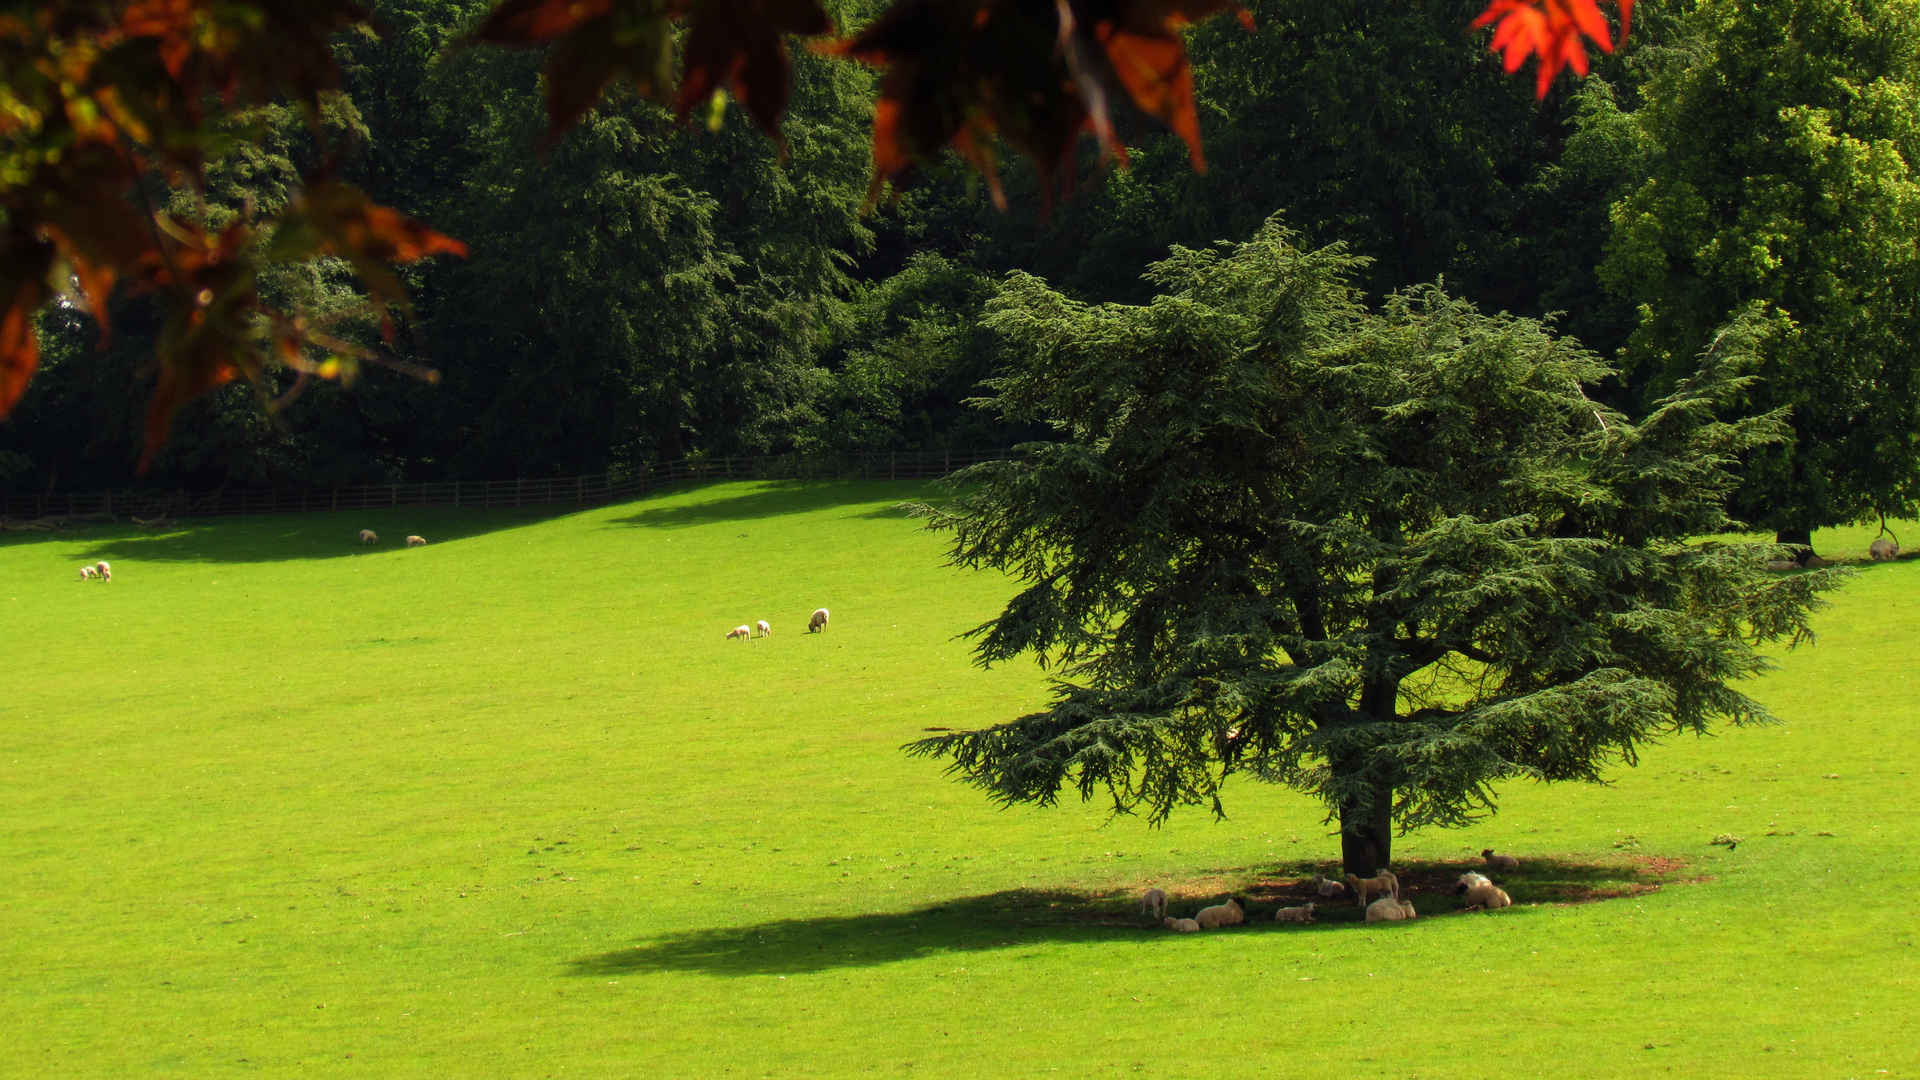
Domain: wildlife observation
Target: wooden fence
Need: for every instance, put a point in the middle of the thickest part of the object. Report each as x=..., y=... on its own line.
x=567, y=491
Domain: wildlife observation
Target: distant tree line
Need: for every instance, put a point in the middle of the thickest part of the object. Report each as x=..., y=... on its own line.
x=641, y=291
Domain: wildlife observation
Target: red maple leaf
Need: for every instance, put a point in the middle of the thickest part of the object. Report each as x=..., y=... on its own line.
x=595, y=43
x=1550, y=30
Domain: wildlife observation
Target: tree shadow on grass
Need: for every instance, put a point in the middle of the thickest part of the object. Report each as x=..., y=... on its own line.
x=283, y=537
x=1020, y=918
x=776, y=499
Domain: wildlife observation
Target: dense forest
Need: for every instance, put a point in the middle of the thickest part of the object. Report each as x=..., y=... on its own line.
x=644, y=290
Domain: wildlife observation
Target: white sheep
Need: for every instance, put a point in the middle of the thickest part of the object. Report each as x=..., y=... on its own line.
x=1500, y=862
x=765, y=630
x=1328, y=886
x=1227, y=914
x=1294, y=914
x=416, y=541
x=1481, y=893
x=741, y=632
x=1154, y=903
x=1382, y=882
x=1884, y=549
x=1390, y=909
x=818, y=622
x=368, y=536
x=88, y=572
x=1181, y=926
x=105, y=571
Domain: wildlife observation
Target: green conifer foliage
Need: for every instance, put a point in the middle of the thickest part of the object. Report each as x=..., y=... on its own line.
x=1390, y=559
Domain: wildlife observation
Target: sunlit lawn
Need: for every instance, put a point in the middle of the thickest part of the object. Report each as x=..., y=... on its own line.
x=509, y=806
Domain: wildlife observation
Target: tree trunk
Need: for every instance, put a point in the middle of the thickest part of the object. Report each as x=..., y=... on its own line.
x=1366, y=836
x=1801, y=538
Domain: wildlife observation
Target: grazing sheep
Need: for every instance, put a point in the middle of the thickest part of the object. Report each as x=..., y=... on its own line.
x=1328, y=886
x=105, y=571
x=1154, y=904
x=818, y=622
x=416, y=541
x=1231, y=913
x=1390, y=909
x=1181, y=926
x=741, y=632
x=1884, y=549
x=368, y=536
x=1383, y=882
x=765, y=630
x=1500, y=862
x=1481, y=893
x=1294, y=914
x=88, y=572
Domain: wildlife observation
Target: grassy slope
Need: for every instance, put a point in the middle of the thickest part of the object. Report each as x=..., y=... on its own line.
x=269, y=802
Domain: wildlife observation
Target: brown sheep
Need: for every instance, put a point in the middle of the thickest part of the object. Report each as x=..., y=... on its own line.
x=1383, y=882
x=1500, y=862
x=1884, y=549
x=1294, y=914
x=817, y=622
x=1481, y=893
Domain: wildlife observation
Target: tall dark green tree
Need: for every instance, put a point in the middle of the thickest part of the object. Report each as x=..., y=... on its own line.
x=1388, y=558
x=1782, y=143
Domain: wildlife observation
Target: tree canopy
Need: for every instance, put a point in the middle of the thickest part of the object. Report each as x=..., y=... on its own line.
x=104, y=101
x=1388, y=557
x=1781, y=141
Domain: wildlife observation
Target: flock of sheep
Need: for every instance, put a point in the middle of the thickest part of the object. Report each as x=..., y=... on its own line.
x=816, y=623
x=1475, y=889
x=99, y=571
x=368, y=536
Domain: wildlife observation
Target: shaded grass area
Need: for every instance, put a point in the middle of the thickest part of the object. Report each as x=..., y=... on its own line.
x=509, y=805
x=1021, y=918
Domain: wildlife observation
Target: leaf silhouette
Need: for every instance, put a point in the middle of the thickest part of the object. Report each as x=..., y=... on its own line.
x=595, y=43
x=741, y=44
x=332, y=217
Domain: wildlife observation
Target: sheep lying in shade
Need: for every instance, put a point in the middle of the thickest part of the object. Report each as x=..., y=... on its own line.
x=1382, y=882
x=1231, y=913
x=416, y=541
x=1500, y=862
x=765, y=630
x=1390, y=909
x=1328, y=886
x=741, y=632
x=1481, y=893
x=817, y=622
x=1884, y=549
x=1181, y=926
x=1154, y=904
x=1294, y=914
x=368, y=536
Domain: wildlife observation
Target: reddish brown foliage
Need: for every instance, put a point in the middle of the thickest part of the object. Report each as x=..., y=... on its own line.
x=1551, y=31
x=105, y=96
x=109, y=97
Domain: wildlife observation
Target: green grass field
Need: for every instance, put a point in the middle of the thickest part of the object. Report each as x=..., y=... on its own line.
x=509, y=806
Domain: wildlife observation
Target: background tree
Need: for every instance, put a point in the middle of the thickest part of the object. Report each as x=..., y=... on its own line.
x=1781, y=143
x=1389, y=559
